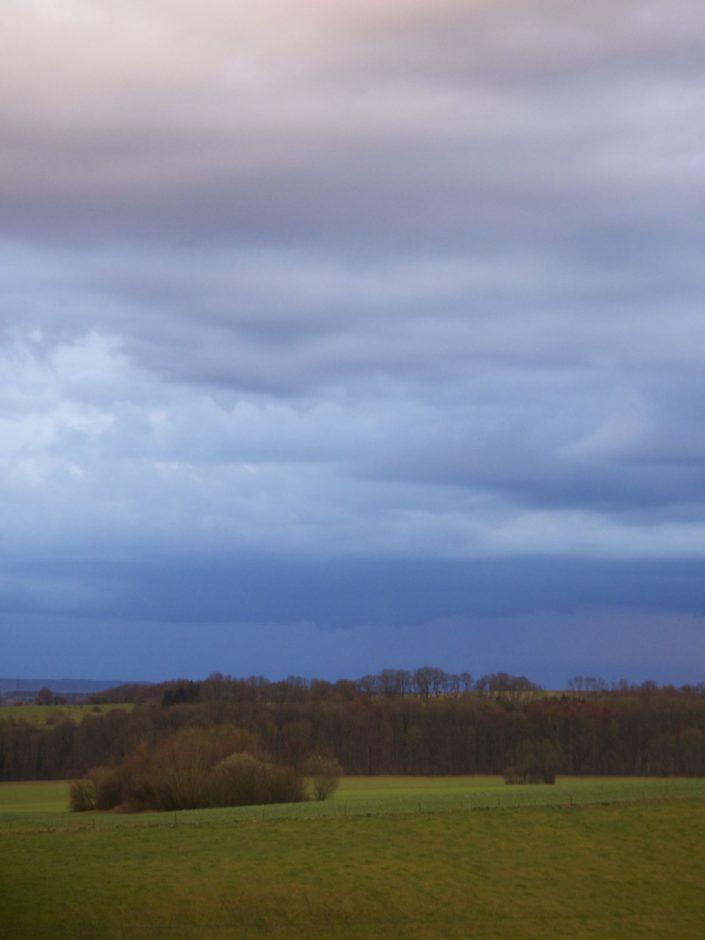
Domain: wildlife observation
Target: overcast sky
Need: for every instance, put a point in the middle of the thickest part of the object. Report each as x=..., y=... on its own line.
x=337, y=337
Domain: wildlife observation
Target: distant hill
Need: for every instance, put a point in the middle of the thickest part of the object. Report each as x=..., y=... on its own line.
x=64, y=686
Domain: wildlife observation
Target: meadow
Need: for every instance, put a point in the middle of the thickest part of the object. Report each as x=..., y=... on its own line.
x=45, y=803
x=392, y=857
x=42, y=715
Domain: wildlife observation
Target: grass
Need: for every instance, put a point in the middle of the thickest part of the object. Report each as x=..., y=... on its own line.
x=43, y=797
x=45, y=804
x=41, y=715
x=627, y=870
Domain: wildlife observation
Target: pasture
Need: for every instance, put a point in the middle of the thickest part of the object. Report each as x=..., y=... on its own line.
x=45, y=803
x=627, y=869
x=42, y=715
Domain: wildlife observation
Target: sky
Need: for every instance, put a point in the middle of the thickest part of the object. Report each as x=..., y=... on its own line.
x=338, y=337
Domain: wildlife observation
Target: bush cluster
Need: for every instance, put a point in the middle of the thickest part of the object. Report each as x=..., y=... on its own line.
x=194, y=768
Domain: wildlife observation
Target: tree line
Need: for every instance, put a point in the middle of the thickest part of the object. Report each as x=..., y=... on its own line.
x=420, y=721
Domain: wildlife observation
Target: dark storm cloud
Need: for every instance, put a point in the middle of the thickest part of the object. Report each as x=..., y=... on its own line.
x=343, y=593
x=547, y=619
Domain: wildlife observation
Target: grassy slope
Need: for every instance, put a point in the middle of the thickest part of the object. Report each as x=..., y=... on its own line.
x=622, y=871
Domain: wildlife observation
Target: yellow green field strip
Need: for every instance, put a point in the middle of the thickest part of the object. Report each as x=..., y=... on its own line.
x=41, y=715
x=45, y=804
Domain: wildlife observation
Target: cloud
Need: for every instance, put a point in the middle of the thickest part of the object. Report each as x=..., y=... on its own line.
x=362, y=127
x=96, y=445
x=326, y=282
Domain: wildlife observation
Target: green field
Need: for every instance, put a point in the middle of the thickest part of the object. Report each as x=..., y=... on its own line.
x=41, y=715
x=448, y=857
x=45, y=803
x=625, y=870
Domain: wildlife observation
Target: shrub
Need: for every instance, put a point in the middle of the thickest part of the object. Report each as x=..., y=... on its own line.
x=325, y=773
x=108, y=786
x=82, y=796
x=243, y=780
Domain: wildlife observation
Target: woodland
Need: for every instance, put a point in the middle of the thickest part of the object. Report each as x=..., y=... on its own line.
x=421, y=722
